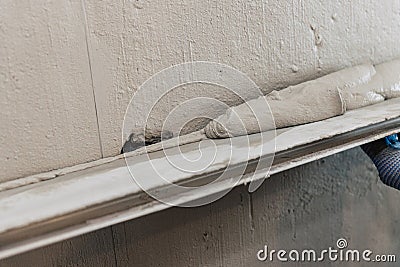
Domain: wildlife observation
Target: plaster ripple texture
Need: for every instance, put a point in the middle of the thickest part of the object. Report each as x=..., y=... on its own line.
x=385, y=84
x=307, y=102
x=46, y=79
x=316, y=100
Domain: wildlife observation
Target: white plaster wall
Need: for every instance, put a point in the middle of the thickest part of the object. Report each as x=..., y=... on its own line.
x=49, y=117
x=47, y=112
x=276, y=43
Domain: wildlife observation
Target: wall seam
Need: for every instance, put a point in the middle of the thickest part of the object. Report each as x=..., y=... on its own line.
x=86, y=27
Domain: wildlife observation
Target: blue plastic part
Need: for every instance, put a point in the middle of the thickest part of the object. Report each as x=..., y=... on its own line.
x=393, y=141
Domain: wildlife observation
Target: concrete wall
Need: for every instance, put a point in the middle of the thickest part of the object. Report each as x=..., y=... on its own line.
x=48, y=116
x=308, y=207
x=69, y=69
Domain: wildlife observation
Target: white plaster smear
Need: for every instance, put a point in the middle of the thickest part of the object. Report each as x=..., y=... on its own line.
x=75, y=191
x=329, y=96
x=385, y=84
x=316, y=100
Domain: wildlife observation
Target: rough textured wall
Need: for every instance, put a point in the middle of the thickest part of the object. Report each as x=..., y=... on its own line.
x=47, y=112
x=50, y=67
x=276, y=43
x=307, y=207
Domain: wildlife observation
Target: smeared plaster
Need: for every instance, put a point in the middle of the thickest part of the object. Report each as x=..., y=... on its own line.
x=385, y=84
x=315, y=100
x=262, y=39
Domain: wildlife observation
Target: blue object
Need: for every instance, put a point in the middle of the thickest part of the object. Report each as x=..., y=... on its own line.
x=386, y=156
x=393, y=141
